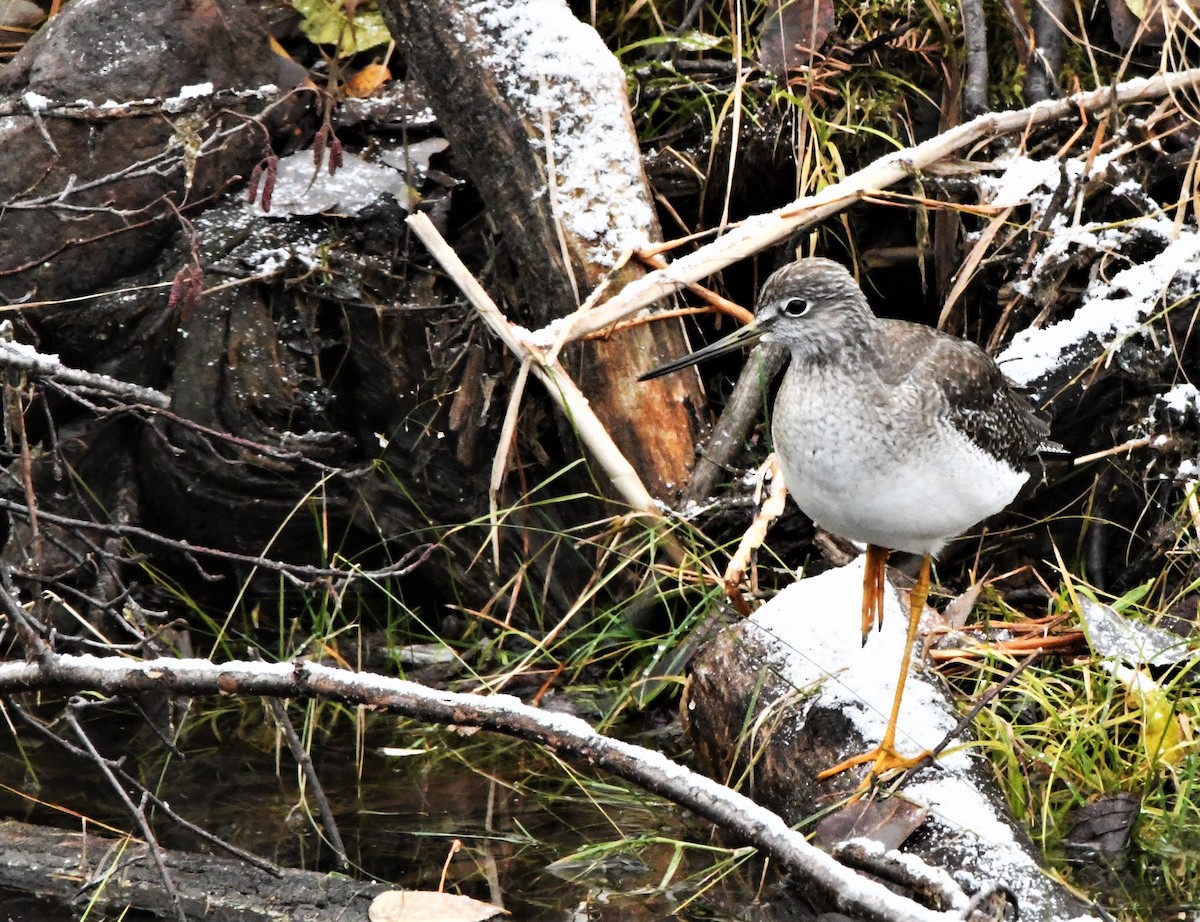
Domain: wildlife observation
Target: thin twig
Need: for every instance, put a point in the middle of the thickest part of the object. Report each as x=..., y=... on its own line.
x=27, y=359
x=966, y=719
x=136, y=811
x=304, y=761
x=159, y=804
x=299, y=574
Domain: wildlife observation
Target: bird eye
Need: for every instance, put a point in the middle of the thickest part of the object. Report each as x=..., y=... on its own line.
x=795, y=307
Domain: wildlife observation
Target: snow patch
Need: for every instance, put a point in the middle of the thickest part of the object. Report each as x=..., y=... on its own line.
x=303, y=188
x=559, y=72
x=1181, y=398
x=1110, y=310
x=36, y=102
x=814, y=626
x=179, y=101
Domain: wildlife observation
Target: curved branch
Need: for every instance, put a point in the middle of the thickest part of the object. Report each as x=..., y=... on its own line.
x=840, y=886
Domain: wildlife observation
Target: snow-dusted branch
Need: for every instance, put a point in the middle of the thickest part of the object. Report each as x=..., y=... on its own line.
x=758, y=232
x=27, y=359
x=851, y=893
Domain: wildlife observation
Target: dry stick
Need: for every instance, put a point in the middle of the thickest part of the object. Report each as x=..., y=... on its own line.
x=743, y=407
x=1131, y=445
x=562, y=389
x=503, y=450
x=842, y=887
x=757, y=233
x=304, y=760
x=718, y=303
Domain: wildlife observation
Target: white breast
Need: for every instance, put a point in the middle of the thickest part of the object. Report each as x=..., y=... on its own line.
x=882, y=474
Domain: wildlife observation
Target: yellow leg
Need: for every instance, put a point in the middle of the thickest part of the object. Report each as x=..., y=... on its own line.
x=884, y=757
x=873, y=581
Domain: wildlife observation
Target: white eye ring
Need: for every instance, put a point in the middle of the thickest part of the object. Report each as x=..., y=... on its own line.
x=795, y=307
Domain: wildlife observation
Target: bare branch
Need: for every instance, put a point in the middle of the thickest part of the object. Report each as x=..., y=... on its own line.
x=27, y=359
x=297, y=573
x=840, y=886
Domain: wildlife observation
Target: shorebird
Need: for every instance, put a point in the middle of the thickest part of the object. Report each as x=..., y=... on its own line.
x=891, y=434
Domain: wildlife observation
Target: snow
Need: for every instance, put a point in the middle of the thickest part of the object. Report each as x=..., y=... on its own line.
x=814, y=624
x=303, y=188
x=179, y=101
x=1110, y=310
x=1022, y=177
x=811, y=635
x=559, y=74
x=1181, y=398
x=35, y=102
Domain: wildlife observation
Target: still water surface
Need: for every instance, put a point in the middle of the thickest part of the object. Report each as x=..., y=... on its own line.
x=403, y=799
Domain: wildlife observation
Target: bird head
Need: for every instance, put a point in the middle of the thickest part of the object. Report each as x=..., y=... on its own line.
x=800, y=307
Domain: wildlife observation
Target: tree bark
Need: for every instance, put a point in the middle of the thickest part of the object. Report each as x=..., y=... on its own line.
x=536, y=108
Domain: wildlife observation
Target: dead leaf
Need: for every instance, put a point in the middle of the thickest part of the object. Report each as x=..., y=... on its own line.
x=888, y=822
x=961, y=606
x=429, y=906
x=367, y=81
x=1104, y=825
x=792, y=33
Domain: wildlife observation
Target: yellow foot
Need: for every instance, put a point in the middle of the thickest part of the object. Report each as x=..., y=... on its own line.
x=884, y=758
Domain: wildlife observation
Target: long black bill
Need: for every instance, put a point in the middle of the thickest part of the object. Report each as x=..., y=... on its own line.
x=746, y=336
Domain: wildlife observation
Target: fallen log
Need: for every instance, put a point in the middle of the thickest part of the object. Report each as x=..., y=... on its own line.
x=114, y=874
x=784, y=694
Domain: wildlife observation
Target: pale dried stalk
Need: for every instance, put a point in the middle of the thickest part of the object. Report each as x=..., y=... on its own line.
x=561, y=387
x=761, y=231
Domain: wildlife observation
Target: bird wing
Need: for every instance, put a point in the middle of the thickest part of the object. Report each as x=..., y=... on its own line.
x=969, y=391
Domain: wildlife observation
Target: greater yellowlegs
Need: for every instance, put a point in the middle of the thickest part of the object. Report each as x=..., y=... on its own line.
x=889, y=433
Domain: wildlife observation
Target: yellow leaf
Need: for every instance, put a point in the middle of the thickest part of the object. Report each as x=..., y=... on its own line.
x=367, y=80
x=325, y=22
x=1160, y=728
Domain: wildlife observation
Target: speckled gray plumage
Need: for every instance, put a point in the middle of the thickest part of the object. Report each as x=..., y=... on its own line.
x=952, y=378
x=888, y=432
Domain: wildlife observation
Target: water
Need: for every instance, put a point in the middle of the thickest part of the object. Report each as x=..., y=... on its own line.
x=502, y=819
